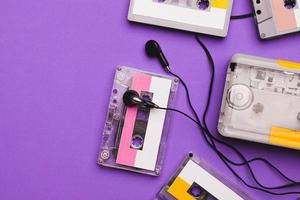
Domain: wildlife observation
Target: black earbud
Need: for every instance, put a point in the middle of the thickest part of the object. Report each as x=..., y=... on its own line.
x=131, y=98
x=153, y=50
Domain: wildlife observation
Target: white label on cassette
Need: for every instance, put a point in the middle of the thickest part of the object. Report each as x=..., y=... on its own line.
x=213, y=19
x=297, y=13
x=146, y=159
x=201, y=16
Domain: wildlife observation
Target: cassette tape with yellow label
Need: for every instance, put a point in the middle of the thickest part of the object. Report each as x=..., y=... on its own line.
x=261, y=101
x=277, y=17
x=201, y=16
x=134, y=138
x=195, y=180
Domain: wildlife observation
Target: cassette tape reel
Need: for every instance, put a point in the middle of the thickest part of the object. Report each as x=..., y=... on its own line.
x=134, y=138
x=261, y=101
x=202, y=16
x=277, y=17
x=196, y=180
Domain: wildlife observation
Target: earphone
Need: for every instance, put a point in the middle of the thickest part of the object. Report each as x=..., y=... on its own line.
x=131, y=98
x=153, y=50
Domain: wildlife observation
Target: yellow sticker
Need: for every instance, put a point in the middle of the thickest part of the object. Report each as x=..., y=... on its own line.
x=288, y=64
x=285, y=137
x=220, y=4
x=179, y=190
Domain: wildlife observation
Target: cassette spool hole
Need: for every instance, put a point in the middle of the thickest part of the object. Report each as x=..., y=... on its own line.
x=199, y=193
x=290, y=4
x=258, y=12
x=137, y=142
x=203, y=4
x=195, y=190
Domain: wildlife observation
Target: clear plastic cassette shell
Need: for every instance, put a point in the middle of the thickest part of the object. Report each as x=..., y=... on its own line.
x=277, y=17
x=261, y=101
x=210, y=17
x=195, y=179
x=143, y=152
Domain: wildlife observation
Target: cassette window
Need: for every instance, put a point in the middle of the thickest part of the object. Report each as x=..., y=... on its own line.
x=134, y=137
x=261, y=101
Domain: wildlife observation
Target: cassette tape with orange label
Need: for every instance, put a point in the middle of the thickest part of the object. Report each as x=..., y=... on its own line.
x=196, y=180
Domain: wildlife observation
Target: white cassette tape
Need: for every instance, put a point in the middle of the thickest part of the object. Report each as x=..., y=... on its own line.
x=261, y=101
x=196, y=180
x=201, y=16
x=277, y=17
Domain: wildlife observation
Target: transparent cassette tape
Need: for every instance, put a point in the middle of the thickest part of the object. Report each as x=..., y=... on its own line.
x=134, y=138
x=202, y=16
x=277, y=17
x=261, y=101
x=194, y=179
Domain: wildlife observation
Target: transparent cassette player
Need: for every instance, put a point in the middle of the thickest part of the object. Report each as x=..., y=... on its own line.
x=196, y=180
x=261, y=101
x=134, y=138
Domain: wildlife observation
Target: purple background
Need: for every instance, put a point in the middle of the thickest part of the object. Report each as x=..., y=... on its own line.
x=57, y=60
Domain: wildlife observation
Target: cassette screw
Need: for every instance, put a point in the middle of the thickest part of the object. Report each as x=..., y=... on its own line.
x=105, y=154
x=263, y=35
x=115, y=91
x=116, y=116
x=157, y=171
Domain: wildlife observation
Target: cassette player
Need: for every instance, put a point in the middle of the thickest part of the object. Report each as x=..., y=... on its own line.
x=134, y=138
x=201, y=16
x=195, y=180
x=261, y=101
x=277, y=17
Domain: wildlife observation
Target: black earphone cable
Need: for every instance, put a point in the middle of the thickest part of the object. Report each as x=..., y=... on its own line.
x=223, y=159
x=210, y=138
x=293, y=183
x=243, y=16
